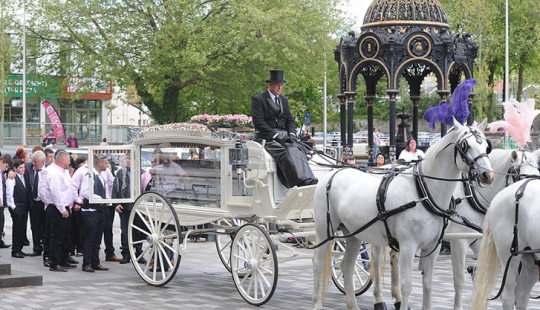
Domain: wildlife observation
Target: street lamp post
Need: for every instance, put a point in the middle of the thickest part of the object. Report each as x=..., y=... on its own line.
x=324, y=106
x=23, y=129
x=506, y=70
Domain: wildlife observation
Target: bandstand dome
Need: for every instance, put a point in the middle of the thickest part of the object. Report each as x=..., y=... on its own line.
x=390, y=12
x=400, y=38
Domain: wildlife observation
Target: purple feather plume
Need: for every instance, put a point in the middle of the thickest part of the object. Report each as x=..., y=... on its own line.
x=458, y=107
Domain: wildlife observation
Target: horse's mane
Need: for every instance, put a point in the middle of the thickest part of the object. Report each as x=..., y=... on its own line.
x=500, y=159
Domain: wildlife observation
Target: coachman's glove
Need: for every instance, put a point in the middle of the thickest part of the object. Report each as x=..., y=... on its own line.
x=293, y=137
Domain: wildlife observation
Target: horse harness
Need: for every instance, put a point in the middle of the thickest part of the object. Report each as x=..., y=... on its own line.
x=513, y=174
x=514, y=248
x=427, y=201
x=460, y=148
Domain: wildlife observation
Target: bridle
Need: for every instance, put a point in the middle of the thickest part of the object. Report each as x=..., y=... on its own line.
x=514, y=174
x=462, y=147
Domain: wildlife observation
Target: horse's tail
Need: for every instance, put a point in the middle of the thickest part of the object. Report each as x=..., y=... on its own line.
x=488, y=267
x=327, y=271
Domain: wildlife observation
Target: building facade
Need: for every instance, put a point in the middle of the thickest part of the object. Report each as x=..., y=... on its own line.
x=86, y=108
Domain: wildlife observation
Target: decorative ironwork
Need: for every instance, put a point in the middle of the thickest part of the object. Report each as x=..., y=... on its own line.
x=384, y=11
x=409, y=38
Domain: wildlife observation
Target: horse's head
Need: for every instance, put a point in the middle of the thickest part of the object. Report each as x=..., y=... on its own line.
x=472, y=147
x=522, y=164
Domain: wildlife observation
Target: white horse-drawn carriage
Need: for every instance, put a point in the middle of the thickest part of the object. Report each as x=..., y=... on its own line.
x=231, y=192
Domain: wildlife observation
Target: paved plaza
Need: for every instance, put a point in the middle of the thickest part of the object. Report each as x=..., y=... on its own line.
x=201, y=283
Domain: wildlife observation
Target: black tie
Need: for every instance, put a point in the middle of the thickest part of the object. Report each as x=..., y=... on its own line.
x=36, y=183
x=277, y=102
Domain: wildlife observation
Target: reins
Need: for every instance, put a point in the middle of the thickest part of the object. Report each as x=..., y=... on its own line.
x=426, y=197
x=515, y=243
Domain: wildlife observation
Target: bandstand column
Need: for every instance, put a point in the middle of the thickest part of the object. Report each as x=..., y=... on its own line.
x=392, y=93
x=369, y=100
x=342, y=117
x=415, y=99
x=348, y=147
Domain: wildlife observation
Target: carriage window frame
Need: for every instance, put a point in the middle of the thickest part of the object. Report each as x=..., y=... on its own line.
x=135, y=179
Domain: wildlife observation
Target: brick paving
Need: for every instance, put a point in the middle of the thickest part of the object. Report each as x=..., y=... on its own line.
x=201, y=283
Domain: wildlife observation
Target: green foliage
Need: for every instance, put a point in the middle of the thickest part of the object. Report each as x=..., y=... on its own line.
x=6, y=47
x=485, y=19
x=187, y=57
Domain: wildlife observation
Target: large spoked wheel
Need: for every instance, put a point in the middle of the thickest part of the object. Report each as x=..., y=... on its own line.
x=254, y=264
x=361, y=276
x=224, y=240
x=154, y=239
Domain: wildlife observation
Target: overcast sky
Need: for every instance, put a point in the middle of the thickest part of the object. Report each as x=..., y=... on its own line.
x=357, y=9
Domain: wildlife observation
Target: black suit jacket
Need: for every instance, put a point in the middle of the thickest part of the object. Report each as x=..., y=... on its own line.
x=20, y=193
x=29, y=175
x=268, y=118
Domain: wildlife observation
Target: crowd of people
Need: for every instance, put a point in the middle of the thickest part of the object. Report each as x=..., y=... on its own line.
x=51, y=188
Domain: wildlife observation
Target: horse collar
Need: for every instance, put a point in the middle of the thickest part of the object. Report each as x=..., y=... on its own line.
x=427, y=199
x=472, y=198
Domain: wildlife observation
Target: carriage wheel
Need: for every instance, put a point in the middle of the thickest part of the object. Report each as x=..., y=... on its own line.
x=224, y=241
x=361, y=276
x=254, y=264
x=154, y=237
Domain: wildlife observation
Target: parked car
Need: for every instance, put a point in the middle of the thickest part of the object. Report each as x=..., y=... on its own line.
x=434, y=138
x=424, y=138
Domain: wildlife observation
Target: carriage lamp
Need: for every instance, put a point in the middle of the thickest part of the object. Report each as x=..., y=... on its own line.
x=238, y=158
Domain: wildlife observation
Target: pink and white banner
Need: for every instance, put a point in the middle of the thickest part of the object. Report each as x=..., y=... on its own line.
x=55, y=120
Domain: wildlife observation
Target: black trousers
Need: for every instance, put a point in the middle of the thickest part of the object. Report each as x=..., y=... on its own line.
x=137, y=235
x=76, y=232
x=108, y=231
x=2, y=221
x=37, y=224
x=58, y=229
x=20, y=218
x=93, y=232
x=291, y=161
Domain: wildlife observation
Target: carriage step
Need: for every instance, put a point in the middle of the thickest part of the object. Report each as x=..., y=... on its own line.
x=8, y=278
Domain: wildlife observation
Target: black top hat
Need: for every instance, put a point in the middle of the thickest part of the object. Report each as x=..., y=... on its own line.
x=276, y=76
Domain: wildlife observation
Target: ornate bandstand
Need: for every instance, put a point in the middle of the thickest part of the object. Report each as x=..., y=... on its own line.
x=409, y=38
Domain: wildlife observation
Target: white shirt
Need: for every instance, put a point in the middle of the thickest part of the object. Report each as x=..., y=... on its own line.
x=10, y=186
x=408, y=156
x=85, y=192
x=273, y=97
x=109, y=179
x=57, y=188
x=76, y=182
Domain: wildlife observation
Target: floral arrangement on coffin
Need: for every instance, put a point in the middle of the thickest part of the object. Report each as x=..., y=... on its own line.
x=229, y=120
x=187, y=128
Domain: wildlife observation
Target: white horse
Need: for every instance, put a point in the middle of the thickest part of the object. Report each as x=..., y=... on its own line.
x=347, y=200
x=471, y=204
x=508, y=165
x=510, y=225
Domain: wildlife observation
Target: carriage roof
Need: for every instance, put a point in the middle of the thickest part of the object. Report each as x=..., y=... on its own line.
x=184, y=133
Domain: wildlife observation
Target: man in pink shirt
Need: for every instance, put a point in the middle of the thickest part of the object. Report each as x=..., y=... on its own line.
x=57, y=195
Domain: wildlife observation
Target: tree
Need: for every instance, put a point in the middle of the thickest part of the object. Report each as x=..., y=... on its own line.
x=6, y=54
x=486, y=20
x=185, y=57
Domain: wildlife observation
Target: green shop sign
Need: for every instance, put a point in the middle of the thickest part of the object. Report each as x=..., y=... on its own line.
x=45, y=87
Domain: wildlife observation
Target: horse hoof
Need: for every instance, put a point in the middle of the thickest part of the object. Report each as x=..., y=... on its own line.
x=397, y=305
x=380, y=306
